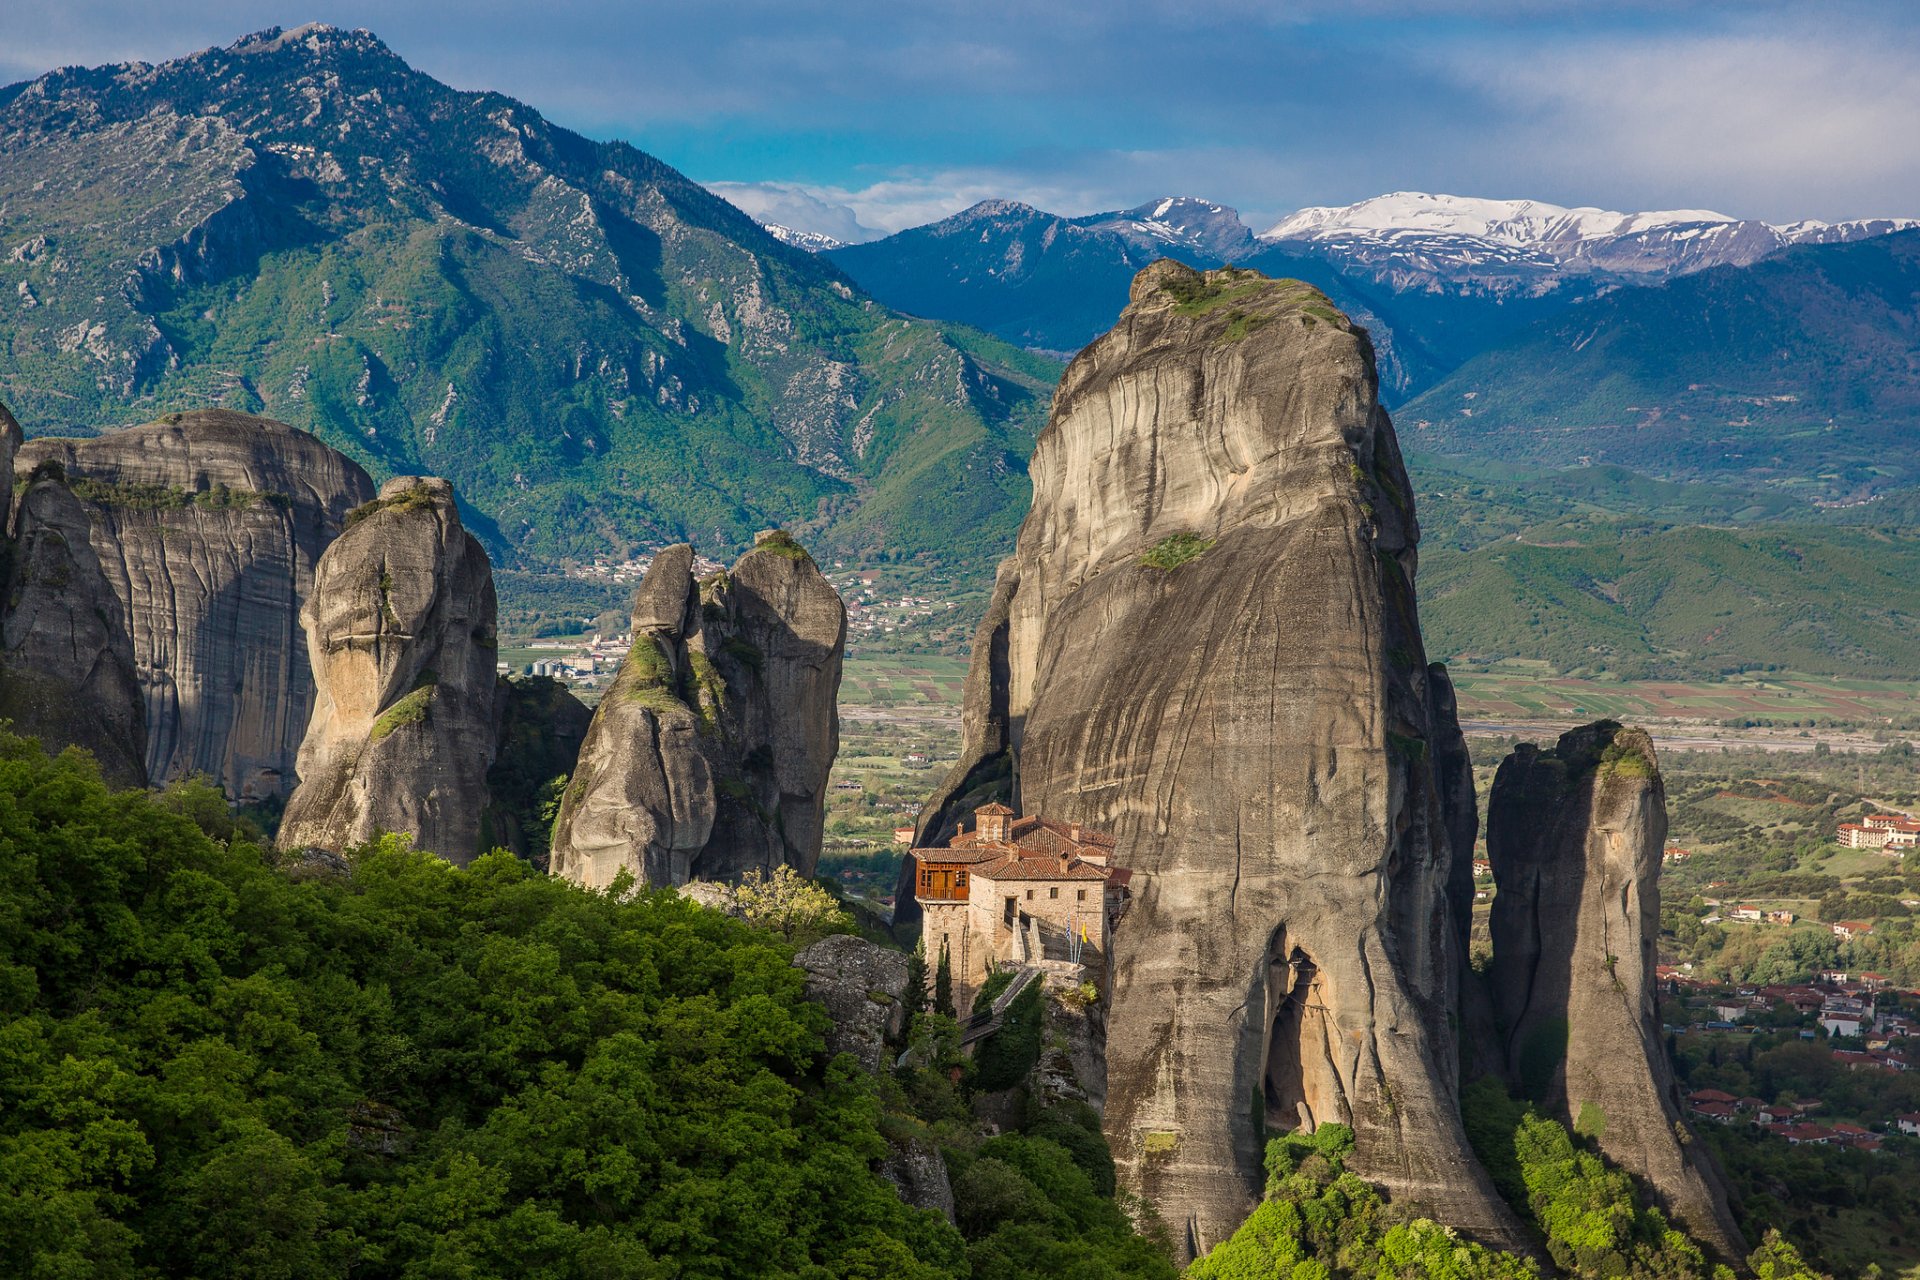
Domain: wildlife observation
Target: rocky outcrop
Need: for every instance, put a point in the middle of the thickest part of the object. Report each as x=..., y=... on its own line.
x=11, y=438
x=207, y=527
x=709, y=756
x=861, y=984
x=1575, y=835
x=66, y=665
x=400, y=633
x=1206, y=643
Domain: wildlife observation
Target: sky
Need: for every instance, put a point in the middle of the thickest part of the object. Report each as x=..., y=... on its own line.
x=861, y=117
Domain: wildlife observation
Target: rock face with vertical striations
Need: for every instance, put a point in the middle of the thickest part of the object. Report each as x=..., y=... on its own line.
x=1575, y=835
x=708, y=758
x=66, y=665
x=400, y=631
x=1206, y=643
x=207, y=527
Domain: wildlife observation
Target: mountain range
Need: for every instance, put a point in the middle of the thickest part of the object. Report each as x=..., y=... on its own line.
x=598, y=352
x=1435, y=278
x=603, y=356
x=1801, y=371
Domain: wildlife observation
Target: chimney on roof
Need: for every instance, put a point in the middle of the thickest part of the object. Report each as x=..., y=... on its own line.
x=1076, y=833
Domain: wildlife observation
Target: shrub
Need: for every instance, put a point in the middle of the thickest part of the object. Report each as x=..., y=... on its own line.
x=1175, y=550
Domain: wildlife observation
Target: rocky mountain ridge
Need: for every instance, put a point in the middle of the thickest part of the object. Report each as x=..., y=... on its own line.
x=1436, y=280
x=1797, y=372
x=1414, y=234
x=596, y=351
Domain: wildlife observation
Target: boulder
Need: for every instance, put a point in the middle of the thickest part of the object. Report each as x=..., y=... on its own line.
x=1206, y=642
x=1575, y=834
x=708, y=758
x=861, y=984
x=400, y=633
x=208, y=526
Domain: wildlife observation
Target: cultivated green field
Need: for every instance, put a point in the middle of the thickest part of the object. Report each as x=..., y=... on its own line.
x=930, y=680
x=1509, y=691
x=1516, y=690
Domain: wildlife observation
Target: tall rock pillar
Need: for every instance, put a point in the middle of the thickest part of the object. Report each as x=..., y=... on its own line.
x=709, y=756
x=1206, y=642
x=400, y=629
x=1575, y=834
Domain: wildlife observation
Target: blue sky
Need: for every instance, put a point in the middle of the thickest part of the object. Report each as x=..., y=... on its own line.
x=856, y=116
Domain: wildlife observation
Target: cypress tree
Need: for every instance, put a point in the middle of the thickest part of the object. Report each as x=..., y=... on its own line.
x=943, y=986
x=916, y=992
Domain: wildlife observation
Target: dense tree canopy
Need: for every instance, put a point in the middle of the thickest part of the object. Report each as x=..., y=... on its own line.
x=211, y=1065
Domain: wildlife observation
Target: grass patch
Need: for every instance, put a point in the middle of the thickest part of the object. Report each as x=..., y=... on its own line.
x=1410, y=748
x=781, y=543
x=1175, y=550
x=1240, y=324
x=415, y=498
x=160, y=497
x=411, y=709
x=645, y=678
x=1159, y=1143
x=1197, y=294
x=1626, y=760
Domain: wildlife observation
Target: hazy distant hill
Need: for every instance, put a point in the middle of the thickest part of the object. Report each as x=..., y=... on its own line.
x=1801, y=371
x=1601, y=569
x=596, y=350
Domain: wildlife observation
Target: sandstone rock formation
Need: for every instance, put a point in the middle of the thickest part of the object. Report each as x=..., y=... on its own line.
x=400, y=632
x=66, y=664
x=207, y=526
x=708, y=758
x=1206, y=642
x=1575, y=836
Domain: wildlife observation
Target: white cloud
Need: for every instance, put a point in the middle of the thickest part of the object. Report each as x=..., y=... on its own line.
x=796, y=207
x=1817, y=122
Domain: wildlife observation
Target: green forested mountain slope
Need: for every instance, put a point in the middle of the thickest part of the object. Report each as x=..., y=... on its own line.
x=596, y=350
x=1601, y=569
x=1801, y=371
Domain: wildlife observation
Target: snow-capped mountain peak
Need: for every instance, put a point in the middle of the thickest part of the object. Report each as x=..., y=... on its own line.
x=1180, y=222
x=811, y=241
x=1410, y=233
x=1519, y=222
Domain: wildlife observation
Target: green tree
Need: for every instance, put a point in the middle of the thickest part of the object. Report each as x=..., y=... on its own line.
x=915, y=995
x=218, y=1066
x=943, y=985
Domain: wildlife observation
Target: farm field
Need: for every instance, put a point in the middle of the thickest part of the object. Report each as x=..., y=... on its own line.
x=1510, y=691
x=1778, y=700
x=928, y=681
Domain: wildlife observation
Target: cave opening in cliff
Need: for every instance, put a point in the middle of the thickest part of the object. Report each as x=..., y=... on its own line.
x=1300, y=1087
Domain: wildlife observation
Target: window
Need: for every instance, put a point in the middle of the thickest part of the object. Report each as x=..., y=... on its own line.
x=1029, y=895
x=1080, y=895
x=1054, y=892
